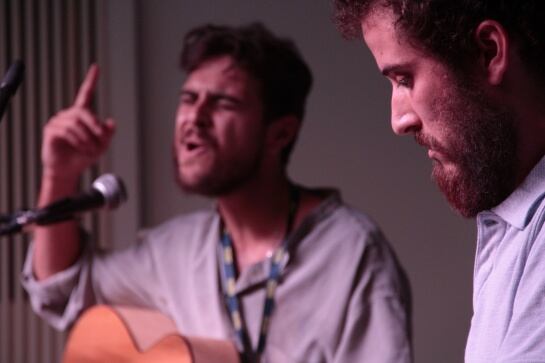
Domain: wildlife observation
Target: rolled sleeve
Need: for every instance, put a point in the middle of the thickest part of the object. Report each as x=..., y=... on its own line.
x=60, y=298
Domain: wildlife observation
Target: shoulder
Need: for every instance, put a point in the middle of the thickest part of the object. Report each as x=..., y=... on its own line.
x=332, y=224
x=352, y=226
x=379, y=273
x=357, y=220
x=340, y=231
x=365, y=235
x=346, y=250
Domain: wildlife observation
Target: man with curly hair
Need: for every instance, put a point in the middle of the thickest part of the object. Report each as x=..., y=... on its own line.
x=468, y=83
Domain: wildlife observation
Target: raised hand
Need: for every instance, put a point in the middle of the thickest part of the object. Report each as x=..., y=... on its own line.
x=75, y=138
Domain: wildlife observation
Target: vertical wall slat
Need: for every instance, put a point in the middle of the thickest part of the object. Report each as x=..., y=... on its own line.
x=4, y=207
x=99, y=221
x=8, y=166
x=32, y=53
x=19, y=183
x=58, y=26
x=57, y=55
x=97, y=41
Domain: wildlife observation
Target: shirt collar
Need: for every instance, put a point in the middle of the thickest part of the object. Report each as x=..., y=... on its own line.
x=519, y=208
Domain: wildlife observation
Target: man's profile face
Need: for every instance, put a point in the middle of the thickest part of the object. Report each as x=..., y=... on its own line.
x=219, y=135
x=469, y=138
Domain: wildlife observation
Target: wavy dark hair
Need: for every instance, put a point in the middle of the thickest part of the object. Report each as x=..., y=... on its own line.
x=445, y=28
x=276, y=63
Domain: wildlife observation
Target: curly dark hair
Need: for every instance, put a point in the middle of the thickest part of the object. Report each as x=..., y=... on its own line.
x=277, y=65
x=445, y=28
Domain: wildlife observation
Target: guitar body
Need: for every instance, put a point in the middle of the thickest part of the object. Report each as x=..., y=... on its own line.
x=132, y=335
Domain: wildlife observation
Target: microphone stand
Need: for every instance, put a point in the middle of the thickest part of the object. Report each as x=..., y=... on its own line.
x=9, y=84
x=108, y=191
x=5, y=218
x=11, y=223
x=16, y=222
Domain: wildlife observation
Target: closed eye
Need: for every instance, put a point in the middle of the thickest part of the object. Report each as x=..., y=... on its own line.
x=403, y=81
x=187, y=97
x=226, y=102
x=399, y=74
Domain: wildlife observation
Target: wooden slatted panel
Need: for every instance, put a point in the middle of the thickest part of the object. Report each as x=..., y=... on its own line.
x=57, y=40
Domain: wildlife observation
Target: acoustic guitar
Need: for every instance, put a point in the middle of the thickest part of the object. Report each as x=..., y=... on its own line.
x=123, y=334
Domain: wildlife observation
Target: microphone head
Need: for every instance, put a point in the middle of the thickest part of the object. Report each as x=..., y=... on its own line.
x=112, y=189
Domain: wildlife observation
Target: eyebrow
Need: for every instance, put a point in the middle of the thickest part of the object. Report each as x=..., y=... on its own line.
x=186, y=91
x=394, y=68
x=215, y=96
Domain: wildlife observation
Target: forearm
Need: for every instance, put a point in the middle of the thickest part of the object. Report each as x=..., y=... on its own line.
x=73, y=140
x=57, y=246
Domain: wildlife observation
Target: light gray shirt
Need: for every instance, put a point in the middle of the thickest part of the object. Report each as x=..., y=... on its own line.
x=508, y=323
x=342, y=296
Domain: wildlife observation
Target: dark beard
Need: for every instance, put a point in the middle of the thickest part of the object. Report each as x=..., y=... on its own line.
x=482, y=144
x=224, y=179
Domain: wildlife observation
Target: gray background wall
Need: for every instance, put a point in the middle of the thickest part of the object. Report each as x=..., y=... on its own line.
x=346, y=142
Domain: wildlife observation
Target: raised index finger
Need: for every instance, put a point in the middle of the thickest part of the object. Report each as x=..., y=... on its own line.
x=87, y=88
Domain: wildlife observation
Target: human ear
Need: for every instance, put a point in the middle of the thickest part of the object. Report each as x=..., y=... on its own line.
x=493, y=43
x=282, y=132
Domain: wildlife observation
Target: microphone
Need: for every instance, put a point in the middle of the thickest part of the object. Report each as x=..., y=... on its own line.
x=108, y=191
x=9, y=84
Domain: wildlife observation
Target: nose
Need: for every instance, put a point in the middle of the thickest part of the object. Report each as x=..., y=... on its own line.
x=404, y=119
x=196, y=114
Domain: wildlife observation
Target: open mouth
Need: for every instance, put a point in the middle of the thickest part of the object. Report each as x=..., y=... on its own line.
x=193, y=143
x=192, y=146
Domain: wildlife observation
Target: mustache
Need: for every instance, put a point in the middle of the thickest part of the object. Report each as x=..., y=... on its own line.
x=429, y=142
x=194, y=133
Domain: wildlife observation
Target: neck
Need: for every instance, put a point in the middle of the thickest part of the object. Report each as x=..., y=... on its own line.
x=256, y=218
x=531, y=146
x=529, y=111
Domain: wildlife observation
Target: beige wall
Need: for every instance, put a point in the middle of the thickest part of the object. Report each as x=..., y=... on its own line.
x=346, y=142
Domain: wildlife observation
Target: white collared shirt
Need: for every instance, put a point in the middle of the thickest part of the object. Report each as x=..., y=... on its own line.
x=508, y=323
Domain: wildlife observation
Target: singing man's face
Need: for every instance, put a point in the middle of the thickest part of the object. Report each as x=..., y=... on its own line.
x=469, y=137
x=219, y=135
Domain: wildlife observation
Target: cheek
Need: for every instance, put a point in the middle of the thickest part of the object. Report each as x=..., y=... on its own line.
x=178, y=121
x=427, y=104
x=240, y=127
x=180, y=111
x=430, y=98
x=177, y=134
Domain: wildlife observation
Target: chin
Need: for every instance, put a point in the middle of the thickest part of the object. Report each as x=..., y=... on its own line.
x=189, y=182
x=201, y=184
x=192, y=187
x=471, y=192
